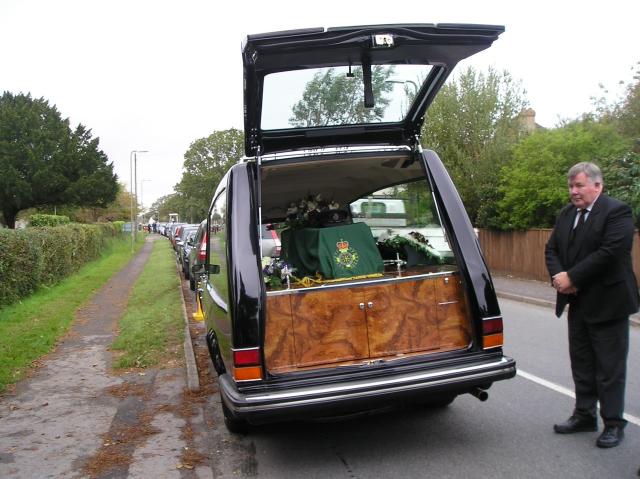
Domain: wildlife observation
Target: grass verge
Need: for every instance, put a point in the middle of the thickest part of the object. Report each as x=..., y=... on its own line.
x=151, y=331
x=30, y=328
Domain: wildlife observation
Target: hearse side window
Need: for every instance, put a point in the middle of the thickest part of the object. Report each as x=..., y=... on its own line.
x=217, y=246
x=405, y=215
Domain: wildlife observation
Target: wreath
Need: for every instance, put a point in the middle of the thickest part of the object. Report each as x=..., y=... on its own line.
x=312, y=212
x=414, y=240
x=275, y=272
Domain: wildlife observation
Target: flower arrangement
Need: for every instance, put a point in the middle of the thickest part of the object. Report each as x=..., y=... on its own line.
x=275, y=271
x=414, y=240
x=309, y=211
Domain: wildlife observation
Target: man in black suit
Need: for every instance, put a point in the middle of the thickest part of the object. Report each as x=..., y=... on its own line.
x=589, y=259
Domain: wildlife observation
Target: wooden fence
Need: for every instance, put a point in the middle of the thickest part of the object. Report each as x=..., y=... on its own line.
x=521, y=253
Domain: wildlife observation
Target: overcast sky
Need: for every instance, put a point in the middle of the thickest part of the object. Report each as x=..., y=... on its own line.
x=156, y=75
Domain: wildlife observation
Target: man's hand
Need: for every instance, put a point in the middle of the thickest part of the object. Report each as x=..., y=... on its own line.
x=562, y=283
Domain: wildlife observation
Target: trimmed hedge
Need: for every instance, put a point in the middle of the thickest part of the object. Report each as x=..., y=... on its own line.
x=48, y=220
x=35, y=257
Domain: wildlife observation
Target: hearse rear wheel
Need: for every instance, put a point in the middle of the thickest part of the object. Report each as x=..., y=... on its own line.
x=233, y=424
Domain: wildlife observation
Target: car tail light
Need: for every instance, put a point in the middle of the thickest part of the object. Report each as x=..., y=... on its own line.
x=247, y=364
x=492, y=333
x=202, y=252
x=274, y=235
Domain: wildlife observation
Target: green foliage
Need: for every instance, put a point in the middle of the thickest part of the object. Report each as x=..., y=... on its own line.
x=333, y=98
x=624, y=114
x=40, y=257
x=164, y=205
x=48, y=220
x=205, y=162
x=118, y=209
x=30, y=328
x=152, y=327
x=118, y=225
x=534, y=184
x=622, y=178
x=473, y=125
x=415, y=241
x=44, y=162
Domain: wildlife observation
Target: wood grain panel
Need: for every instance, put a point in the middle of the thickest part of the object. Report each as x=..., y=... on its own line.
x=402, y=318
x=453, y=322
x=279, y=350
x=329, y=326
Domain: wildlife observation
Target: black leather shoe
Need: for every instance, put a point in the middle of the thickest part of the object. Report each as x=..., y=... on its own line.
x=576, y=424
x=610, y=437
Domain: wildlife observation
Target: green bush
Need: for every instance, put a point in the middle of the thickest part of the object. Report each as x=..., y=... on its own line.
x=42, y=256
x=48, y=220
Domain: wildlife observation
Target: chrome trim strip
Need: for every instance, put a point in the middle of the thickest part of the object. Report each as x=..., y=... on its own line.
x=328, y=151
x=216, y=297
x=363, y=282
x=387, y=382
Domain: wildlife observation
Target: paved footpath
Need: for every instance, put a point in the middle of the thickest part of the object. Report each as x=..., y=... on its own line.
x=74, y=417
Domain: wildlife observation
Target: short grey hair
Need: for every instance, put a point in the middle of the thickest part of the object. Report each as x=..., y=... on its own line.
x=590, y=169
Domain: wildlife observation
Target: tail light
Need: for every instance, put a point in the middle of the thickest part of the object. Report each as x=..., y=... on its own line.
x=492, y=334
x=202, y=252
x=247, y=364
x=274, y=235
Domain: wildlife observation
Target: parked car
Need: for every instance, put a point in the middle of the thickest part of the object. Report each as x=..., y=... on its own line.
x=185, y=250
x=271, y=246
x=340, y=322
x=171, y=231
x=181, y=243
x=198, y=254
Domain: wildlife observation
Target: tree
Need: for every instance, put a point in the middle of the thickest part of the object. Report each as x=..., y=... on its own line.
x=333, y=98
x=171, y=203
x=622, y=178
x=622, y=172
x=534, y=183
x=473, y=124
x=118, y=210
x=205, y=162
x=624, y=114
x=44, y=162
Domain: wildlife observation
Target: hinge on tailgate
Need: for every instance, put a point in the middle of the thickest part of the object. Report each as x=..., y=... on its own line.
x=415, y=144
x=253, y=141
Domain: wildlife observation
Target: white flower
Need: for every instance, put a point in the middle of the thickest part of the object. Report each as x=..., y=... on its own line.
x=334, y=206
x=318, y=198
x=293, y=209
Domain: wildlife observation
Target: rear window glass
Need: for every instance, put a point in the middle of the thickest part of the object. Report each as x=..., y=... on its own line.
x=335, y=96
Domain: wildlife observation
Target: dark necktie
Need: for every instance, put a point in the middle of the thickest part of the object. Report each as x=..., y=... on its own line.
x=576, y=231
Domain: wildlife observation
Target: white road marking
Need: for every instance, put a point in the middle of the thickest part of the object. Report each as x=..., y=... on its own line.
x=567, y=392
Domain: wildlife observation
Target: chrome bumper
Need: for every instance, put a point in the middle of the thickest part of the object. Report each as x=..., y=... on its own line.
x=265, y=405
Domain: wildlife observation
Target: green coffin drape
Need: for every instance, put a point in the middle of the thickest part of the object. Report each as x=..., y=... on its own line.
x=334, y=252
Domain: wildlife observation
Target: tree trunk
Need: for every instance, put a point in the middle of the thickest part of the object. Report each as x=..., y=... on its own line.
x=10, y=218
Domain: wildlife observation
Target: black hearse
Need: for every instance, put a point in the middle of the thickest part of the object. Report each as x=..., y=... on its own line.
x=380, y=293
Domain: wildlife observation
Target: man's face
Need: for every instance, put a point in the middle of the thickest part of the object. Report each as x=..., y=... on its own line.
x=583, y=191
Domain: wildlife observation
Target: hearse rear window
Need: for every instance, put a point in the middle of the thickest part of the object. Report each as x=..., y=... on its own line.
x=335, y=96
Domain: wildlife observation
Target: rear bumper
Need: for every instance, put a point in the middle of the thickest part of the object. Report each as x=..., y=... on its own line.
x=267, y=405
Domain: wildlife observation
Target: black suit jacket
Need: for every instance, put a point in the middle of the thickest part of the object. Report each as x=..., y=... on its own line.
x=599, y=264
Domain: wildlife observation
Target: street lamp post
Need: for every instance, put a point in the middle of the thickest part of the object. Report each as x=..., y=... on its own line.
x=133, y=171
